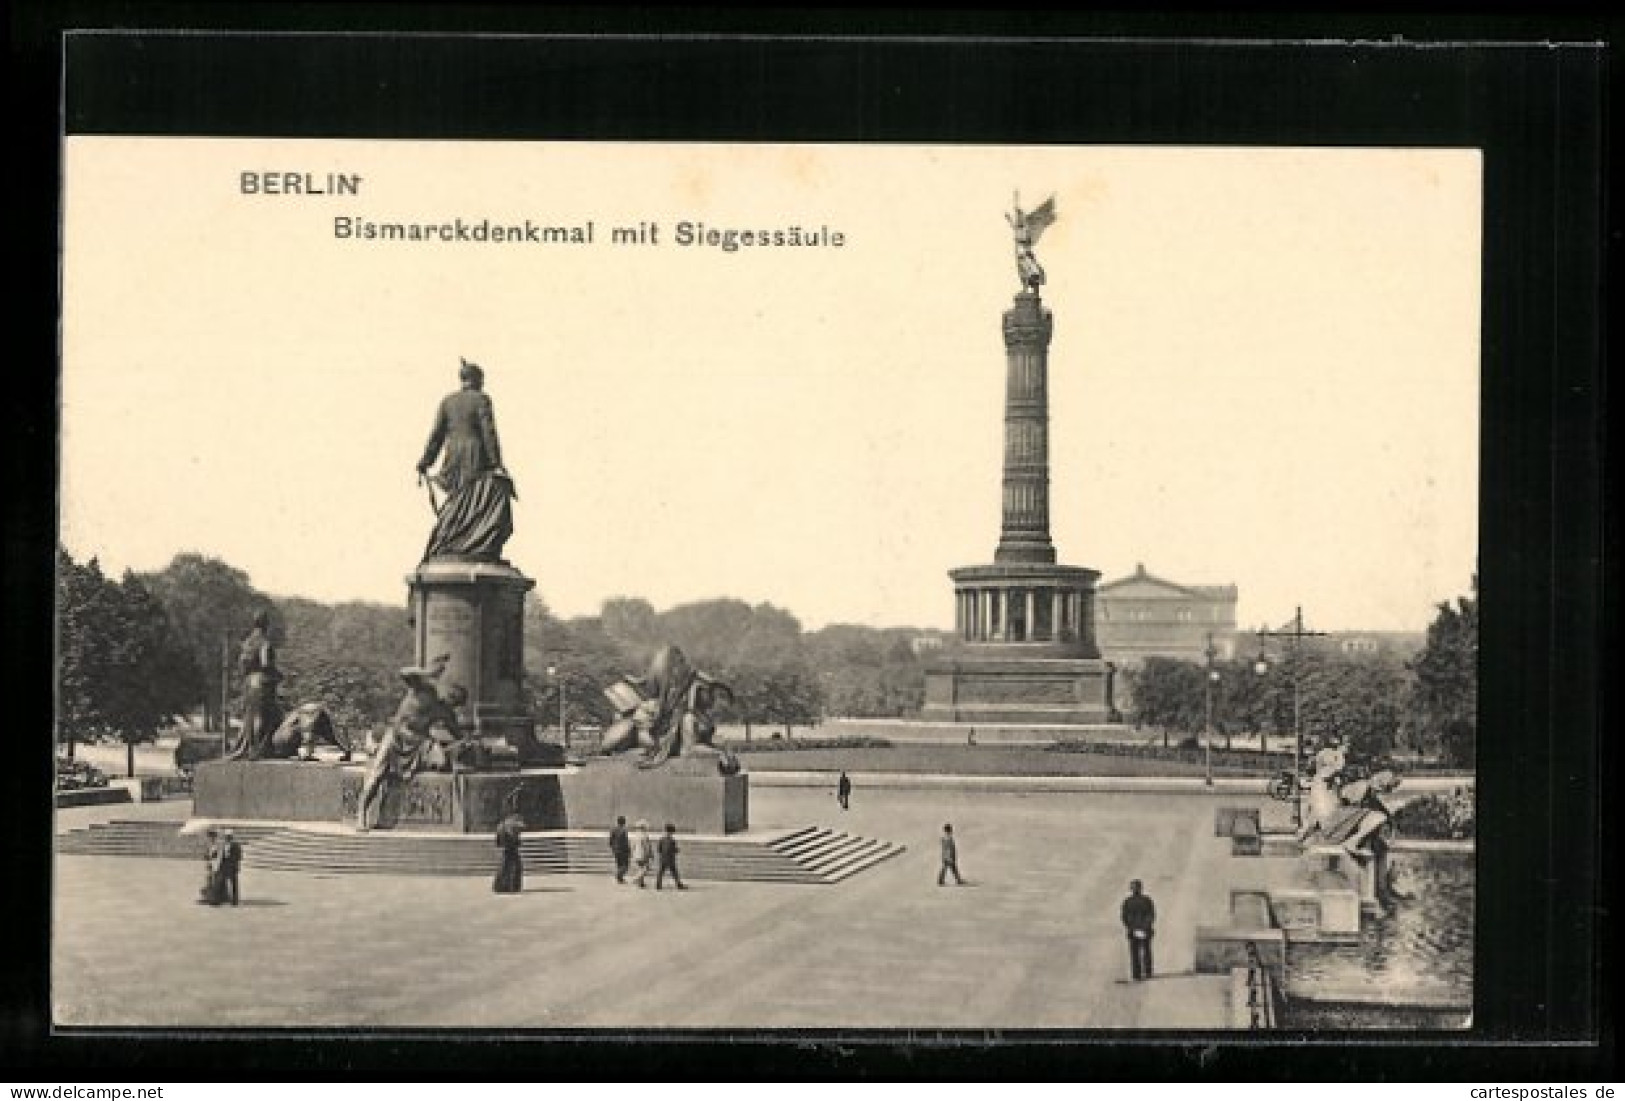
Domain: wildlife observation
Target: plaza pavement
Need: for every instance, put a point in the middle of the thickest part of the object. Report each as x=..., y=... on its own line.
x=1031, y=942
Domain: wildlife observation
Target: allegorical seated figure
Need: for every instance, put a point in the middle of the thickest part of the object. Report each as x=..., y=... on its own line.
x=1344, y=810
x=304, y=728
x=667, y=713
x=424, y=736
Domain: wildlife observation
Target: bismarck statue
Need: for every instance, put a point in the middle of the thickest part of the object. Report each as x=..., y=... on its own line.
x=476, y=517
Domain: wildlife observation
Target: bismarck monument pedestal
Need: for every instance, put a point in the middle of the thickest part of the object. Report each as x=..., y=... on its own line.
x=1026, y=624
x=472, y=613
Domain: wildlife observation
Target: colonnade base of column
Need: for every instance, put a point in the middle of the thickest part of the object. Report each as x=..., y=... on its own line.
x=1026, y=649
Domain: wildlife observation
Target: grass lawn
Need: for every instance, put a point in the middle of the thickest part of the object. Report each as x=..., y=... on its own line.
x=967, y=760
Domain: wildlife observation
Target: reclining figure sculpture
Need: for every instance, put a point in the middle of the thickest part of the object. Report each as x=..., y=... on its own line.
x=304, y=728
x=667, y=713
x=1345, y=811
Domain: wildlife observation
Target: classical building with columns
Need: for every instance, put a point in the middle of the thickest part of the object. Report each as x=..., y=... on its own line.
x=1143, y=615
x=1026, y=624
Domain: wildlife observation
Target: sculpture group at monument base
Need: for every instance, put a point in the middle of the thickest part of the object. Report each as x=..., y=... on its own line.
x=690, y=794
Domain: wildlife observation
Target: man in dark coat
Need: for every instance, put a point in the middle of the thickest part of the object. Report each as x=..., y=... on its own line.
x=476, y=517
x=843, y=790
x=231, y=858
x=620, y=846
x=1139, y=920
x=950, y=857
x=667, y=849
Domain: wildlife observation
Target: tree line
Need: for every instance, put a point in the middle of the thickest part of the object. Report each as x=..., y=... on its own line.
x=137, y=653
x=1378, y=704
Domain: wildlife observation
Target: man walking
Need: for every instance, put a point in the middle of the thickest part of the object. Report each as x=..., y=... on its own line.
x=643, y=852
x=950, y=858
x=620, y=845
x=668, y=859
x=843, y=791
x=1139, y=920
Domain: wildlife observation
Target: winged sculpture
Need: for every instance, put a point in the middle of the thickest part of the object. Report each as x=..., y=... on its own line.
x=1027, y=228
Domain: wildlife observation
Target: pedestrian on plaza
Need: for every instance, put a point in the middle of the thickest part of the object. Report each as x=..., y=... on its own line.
x=231, y=859
x=1139, y=921
x=211, y=893
x=643, y=852
x=668, y=859
x=620, y=846
x=510, y=878
x=843, y=790
x=950, y=857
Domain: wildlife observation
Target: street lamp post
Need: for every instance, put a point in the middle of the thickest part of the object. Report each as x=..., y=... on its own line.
x=225, y=690
x=556, y=671
x=1294, y=633
x=1208, y=682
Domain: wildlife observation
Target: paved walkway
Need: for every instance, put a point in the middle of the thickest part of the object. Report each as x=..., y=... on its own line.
x=1032, y=941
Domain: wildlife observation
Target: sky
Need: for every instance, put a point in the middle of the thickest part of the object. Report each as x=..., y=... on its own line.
x=1264, y=371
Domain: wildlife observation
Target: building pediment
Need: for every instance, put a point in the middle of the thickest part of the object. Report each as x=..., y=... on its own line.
x=1149, y=588
x=1141, y=585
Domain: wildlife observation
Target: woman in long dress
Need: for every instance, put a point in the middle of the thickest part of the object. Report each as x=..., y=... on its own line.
x=214, y=887
x=511, y=875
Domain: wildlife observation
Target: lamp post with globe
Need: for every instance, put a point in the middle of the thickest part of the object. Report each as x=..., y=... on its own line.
x=1294, y=633
x=1209, y=682
x=555, y=672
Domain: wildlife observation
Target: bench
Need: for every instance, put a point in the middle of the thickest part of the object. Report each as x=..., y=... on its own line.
x=1245, y=838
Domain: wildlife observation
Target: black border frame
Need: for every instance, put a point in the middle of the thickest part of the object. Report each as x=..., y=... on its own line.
x=1547, y=537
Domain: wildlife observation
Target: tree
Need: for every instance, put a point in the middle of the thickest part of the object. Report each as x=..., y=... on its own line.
x=87, y=623
x=585, y=660
x=1443, y=706
x=1356, y=699
x=787, y=693
x=631, y=622
x=1168, y=694
x=152, y=678
x=868, y=671
x=345, y=656
x=210, y=606
x=121, y=672
x=1239, y=699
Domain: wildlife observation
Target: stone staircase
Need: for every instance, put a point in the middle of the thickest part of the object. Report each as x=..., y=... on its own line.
x=808, y=855
x=153, y=838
